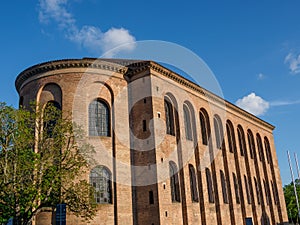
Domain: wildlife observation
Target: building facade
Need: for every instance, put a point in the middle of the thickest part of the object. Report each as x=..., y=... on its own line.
x=167, y=150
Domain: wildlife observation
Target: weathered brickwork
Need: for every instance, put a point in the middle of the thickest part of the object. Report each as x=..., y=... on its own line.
x=230, y=177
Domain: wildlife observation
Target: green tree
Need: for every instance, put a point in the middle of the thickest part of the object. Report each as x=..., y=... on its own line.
x=43, y=157
x=290, y=200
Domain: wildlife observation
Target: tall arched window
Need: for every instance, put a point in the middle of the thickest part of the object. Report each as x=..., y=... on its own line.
x=224, y=187
x=247, y=189
x=169, y=118
x=230, y=136
x=275, y=193
x=193, y=184
x=236, y=189
x=257, y=191
x=210, y=189
x=268, y=149
x=242, y=142
x=205, y=128
x=251, y=143
x=100, y=179
x=267, y=192
x=99, y=118
x=174, y=181
x=51, y=113
x=187, y=123
x=260, y=147
x=218, y=131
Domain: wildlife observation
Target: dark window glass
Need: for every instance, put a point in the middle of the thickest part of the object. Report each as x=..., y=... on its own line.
x=251, y=143
x=224, y=187
x=174, y=180
x=257, y=191
x=209, y=186
x=204, y=123
x=169, y=118
x=268, y=149
x=218, y=132
x=100, y=179
x=187, y=123
x=230, y=136
x=236, y=189
x=99, y=118
x=151, y=198
x=242, y=142
x=193, y=184
x=247, y=189
x=260, y=147
x=50, y=117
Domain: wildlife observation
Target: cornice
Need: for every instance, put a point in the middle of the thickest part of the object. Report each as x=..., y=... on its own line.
x=115, y=65
x=130, y=68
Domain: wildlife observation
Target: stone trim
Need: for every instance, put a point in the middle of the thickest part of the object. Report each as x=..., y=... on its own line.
x=130, y=68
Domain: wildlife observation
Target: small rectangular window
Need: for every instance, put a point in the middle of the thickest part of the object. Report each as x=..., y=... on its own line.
x=144, y=125
x=151, y=198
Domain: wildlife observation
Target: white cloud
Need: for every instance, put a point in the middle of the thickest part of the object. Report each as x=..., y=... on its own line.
x=284, y=103
x=261, y=76
x=253, y=104
x=293, y=62
x=89, y=37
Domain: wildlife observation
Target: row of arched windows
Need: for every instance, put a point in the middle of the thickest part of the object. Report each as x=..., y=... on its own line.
x=219, y=134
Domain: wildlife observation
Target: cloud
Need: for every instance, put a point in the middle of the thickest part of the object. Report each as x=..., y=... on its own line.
x=293, y=62
x=89, y=37
x=253, y=104
x=284, y=103
x=261, y=76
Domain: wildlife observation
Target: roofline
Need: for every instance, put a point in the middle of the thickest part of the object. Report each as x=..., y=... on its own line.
x=131, y=68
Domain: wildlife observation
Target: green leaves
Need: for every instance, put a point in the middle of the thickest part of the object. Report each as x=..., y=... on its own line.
x=290, y=200
x=43, y=160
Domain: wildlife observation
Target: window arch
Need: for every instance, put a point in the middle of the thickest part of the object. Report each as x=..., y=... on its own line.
x=99, y=118
x=193, y=184
x=218, y=131
x=230, y=136
x=247, y=189
x=174, y=180
x=242, y=142
x=237, y=189
x=210, y=189
x=259, y=147
x=251, y=143
x=224, y=187
x=267, y=193
x=169, y=117
x=205, y=128
x=268, y=149
x=100, y=179
x=187, y=122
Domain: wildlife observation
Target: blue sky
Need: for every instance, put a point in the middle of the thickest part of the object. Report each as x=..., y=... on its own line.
x=253, y=47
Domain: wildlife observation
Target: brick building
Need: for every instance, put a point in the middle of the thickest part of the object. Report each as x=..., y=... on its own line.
x=167, y=150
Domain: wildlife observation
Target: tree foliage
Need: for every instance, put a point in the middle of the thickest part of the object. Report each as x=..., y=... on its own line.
x=290, y=200
x=44, y=161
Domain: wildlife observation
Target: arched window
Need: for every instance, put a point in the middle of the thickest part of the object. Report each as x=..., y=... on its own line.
x=275, y=193
x=210, y=189
x=247, y=189
x=100, y=179
x=205, y=128
x=99, y=118
x=267, y=192
x=230, y=136
x=193, y=184
x=224, y=187
x=257, y=191
x=251, y=143
x=268, y=149
x=259, y=147
x=169, y=118
x=187, y=123
x=218, y=132
x=51, y=113
x=174, y=180
x=242, y=142
x=236, y=189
